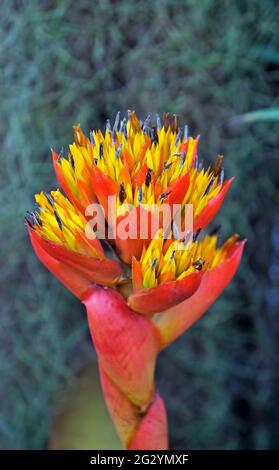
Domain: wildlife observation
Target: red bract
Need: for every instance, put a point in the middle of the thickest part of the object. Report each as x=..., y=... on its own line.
x=150, y=301
x=77, y=272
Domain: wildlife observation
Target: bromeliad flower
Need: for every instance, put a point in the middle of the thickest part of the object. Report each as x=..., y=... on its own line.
x=140, y=291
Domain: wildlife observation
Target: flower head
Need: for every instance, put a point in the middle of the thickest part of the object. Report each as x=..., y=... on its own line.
x=141, y=290
x=140, y=164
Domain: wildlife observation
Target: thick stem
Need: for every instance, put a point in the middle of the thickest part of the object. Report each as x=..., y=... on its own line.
x=138, y=430
x=127, y=346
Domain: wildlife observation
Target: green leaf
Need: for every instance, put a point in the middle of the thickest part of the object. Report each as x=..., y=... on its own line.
x=270, y=114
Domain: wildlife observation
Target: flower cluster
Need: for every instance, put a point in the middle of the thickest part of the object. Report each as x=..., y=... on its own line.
x=140, y=292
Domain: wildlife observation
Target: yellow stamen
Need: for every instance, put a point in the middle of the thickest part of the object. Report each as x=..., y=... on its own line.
x=61, y=223
x=169, y=158
x=179, y=260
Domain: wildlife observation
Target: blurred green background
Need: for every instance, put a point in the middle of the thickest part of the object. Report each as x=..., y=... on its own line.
x=65, y=62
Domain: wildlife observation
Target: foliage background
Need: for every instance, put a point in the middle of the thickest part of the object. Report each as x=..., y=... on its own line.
x=64, y=62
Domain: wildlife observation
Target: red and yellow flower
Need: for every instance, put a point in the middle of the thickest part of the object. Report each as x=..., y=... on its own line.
x=140, y=293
